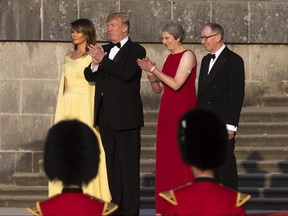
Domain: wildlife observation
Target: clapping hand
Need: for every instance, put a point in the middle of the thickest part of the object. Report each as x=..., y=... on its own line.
x=96, y=52
x=146, y=65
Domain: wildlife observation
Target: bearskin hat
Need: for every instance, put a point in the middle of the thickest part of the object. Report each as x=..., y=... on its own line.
x=203, y=139
x=71, y=153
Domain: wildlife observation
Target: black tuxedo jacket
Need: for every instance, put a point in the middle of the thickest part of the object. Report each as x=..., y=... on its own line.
x=118, y=80
x=223, y=89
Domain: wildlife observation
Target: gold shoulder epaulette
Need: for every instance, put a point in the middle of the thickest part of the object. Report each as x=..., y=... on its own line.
x=109, y=208
x=242, y=199
x=34, y=211
x=169, y=196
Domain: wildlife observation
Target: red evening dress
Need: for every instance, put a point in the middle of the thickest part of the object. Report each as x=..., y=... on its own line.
x=171, y=172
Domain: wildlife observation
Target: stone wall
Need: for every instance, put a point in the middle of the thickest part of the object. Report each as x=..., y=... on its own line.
x=244, y=21
x=34, y=37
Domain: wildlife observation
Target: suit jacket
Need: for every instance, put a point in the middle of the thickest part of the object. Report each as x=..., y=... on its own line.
x=204, y=197
x=119, y=82
x=223, y=89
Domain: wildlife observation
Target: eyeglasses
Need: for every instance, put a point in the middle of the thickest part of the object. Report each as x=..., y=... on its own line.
x=206, y=37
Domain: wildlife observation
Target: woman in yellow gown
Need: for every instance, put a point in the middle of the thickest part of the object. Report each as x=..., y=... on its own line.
x=76, y=101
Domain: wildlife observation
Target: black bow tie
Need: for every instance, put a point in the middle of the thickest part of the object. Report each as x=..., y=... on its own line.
x=213, y=56
x=116, y=44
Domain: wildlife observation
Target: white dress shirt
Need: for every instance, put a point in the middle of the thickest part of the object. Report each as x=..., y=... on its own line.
x=112, y=54
x=115, y=49
x=212, y=61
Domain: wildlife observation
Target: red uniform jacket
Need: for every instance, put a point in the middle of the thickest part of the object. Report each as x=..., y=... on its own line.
x=73, y=203
x=204, y=197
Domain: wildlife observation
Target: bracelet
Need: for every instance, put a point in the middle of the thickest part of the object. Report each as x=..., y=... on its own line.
x=152, y=80
x=152, y=69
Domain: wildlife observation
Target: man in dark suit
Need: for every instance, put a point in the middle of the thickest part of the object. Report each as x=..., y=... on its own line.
x=119, y=110
x=221, y=86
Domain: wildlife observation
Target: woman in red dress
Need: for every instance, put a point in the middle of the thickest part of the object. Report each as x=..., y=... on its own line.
x=177, y=81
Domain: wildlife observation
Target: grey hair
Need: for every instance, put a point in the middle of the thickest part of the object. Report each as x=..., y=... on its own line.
x=123, y=16
x=175, y=29
x=215, y=27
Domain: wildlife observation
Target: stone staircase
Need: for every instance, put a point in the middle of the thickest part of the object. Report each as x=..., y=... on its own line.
x=261, y=151
x=26, y=190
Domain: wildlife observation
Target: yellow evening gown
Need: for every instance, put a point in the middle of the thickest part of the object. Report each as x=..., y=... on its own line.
x=77, y=102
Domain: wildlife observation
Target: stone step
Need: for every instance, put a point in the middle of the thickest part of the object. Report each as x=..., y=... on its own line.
x=256, y=180
x=263, y=185
x=149, y=129
x=272, y=101
x=244, y=128
x=248, y=114
x=263, y=180
x=272, y=198
x=254, y=127
x=20, y=201
x=27, y=196
x=250, y=129
x=11, y=190
x=255, y=204
x=147, y=179
x=241, y=153
x=258, y=174
x=148, y=140
x=264, y=114
x=261, y=153
x=147, y=202
x=262, y=128
x=243, y=166
x=266, y=192
x=267, y=166
x=260, y=140
x=276, y=140
x=150, y=116
x=271, y=204
x=279, y=140
x=30, y=179
x=148, y=152
x=145, y=191
x=147, y=165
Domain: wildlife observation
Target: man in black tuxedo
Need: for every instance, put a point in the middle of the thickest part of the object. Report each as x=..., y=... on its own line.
x=119, y=110
x=221, y=86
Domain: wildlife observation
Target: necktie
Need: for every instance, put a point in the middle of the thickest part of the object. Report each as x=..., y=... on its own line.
x=210, y=56
x=116, y=44
x=213, y=56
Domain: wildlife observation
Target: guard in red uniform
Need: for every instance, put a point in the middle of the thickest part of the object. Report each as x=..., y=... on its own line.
x=202, y=137
x=71, y=154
